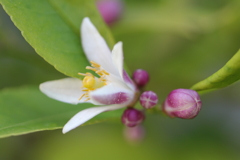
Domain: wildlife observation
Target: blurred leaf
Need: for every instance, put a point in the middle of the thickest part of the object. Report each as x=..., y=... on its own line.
x=227, y=75
x=174, y=51
x=26, y=110
x=52, y=29
x=21, y=60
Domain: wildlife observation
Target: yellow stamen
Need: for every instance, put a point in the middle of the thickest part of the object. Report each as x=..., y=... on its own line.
x=87, y=99
x=105, y=72
x=90, y=82
x=82, y=74
x=99, y=73
x=94, y=64
x=82, y=96
x=91, y=68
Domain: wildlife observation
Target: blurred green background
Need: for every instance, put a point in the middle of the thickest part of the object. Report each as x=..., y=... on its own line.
x=179, y=43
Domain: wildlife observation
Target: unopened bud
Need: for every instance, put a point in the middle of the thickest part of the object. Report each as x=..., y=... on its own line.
x=140, y=77
x=110, y=10
x=132, y=117
x=135, y=134
x=182, y=103
x=148, y=99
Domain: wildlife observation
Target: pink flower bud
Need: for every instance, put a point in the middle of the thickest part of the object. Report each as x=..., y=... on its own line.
x=132, y=117
x=140, y=77
x=148, y=99
x=135, y=134
x=110, y=10
x=182, y=103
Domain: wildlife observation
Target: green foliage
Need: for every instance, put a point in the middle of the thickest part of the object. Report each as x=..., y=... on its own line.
x=171, y=46
x=178, y=42
x=52, y=29
x=26, y=109
x=227, y=75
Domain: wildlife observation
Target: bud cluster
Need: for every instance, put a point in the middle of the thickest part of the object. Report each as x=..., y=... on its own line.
x=148, y=99
x=181, y=103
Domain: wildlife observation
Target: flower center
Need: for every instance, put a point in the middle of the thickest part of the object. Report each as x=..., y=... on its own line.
x=90, y=82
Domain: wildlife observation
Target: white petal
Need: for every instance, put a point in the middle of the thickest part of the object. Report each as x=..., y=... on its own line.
x=117, y=58
x=66, y=90
x=112, y=93
x=83, y=116
x=95, y=47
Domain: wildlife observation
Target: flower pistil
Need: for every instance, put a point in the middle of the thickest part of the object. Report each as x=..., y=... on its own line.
x=90, y=82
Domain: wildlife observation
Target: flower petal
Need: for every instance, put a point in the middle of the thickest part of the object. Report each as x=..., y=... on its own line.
x=83, y=116
x=67, y=90
x=117, y=58
x=95, y=47
x=112, y=93
x=129, y=81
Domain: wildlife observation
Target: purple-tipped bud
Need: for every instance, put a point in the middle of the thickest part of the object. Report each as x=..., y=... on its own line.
x=148, y=99
x=182, y=103
x=132, y=117
x=141, y=77
x=134, y=134
x=110, y=10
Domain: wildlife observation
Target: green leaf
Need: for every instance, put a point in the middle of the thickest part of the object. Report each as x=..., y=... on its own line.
x=51, y=27
x=26, y=110
x=224, y=77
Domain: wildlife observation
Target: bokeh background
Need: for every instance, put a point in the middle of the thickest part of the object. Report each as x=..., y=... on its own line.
x=179, y=43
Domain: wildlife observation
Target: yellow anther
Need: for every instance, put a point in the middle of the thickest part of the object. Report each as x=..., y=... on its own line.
x=82, y=96
x=99, y=73
x=102, y=78
x=85, y=74
x=91, y=68
x=89, y=74
x=94, y=64
x=89, y=82
x=87, y=99
x=82, y=74
x=105, y=72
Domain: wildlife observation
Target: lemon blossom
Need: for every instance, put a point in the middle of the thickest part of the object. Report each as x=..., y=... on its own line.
x=112, y=89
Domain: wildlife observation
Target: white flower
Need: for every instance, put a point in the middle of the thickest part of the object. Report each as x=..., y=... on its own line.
x=113, y=89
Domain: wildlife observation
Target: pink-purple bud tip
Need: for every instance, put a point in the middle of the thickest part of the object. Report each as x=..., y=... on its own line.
x=148, y=99
x=140, y=77
x=110, y=10
x=132, y=117
x=134, y=134
x=182, y=103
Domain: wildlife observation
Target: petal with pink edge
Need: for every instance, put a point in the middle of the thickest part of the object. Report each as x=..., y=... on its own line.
x=112, y=93
x=129, y=81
